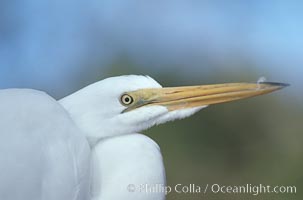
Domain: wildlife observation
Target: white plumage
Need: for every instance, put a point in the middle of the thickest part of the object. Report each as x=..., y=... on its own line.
x=127, y=160
x=43, y=155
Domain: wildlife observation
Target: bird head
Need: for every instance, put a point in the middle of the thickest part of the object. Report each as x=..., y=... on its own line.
x=128, y=104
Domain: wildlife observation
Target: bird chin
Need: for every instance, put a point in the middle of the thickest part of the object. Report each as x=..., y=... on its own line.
x=178, y=114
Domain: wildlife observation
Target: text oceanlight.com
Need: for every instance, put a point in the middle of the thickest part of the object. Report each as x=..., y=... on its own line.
x=253, y=189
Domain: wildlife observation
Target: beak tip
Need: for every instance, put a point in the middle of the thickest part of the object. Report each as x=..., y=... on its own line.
x=276, y=84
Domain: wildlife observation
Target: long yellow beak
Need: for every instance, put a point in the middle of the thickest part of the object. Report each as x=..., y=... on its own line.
x=175, y=98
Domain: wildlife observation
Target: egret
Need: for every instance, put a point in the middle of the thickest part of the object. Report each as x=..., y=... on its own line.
x=87, y=145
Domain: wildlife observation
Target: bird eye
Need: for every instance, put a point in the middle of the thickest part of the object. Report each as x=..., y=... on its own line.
x=126, y=99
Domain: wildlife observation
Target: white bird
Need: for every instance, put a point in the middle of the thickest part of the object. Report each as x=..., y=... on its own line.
x=44, y=153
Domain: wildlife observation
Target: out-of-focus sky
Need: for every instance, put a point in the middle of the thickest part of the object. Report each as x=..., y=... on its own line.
x=49, y=45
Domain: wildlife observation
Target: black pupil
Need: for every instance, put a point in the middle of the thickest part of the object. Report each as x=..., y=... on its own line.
x=127, y=99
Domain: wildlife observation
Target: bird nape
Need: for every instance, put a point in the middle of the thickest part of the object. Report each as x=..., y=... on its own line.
x=87, y=145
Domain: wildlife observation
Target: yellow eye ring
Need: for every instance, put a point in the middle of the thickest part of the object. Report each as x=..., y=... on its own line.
x=126, y=99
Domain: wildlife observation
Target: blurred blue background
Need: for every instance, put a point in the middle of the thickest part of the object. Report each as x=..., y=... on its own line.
x=62, y=46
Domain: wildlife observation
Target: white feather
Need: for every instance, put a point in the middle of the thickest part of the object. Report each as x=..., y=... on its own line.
x=43, y=155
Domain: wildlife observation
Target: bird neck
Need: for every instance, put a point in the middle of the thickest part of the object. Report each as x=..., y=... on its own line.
x=85, y=115
x=115, y=159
